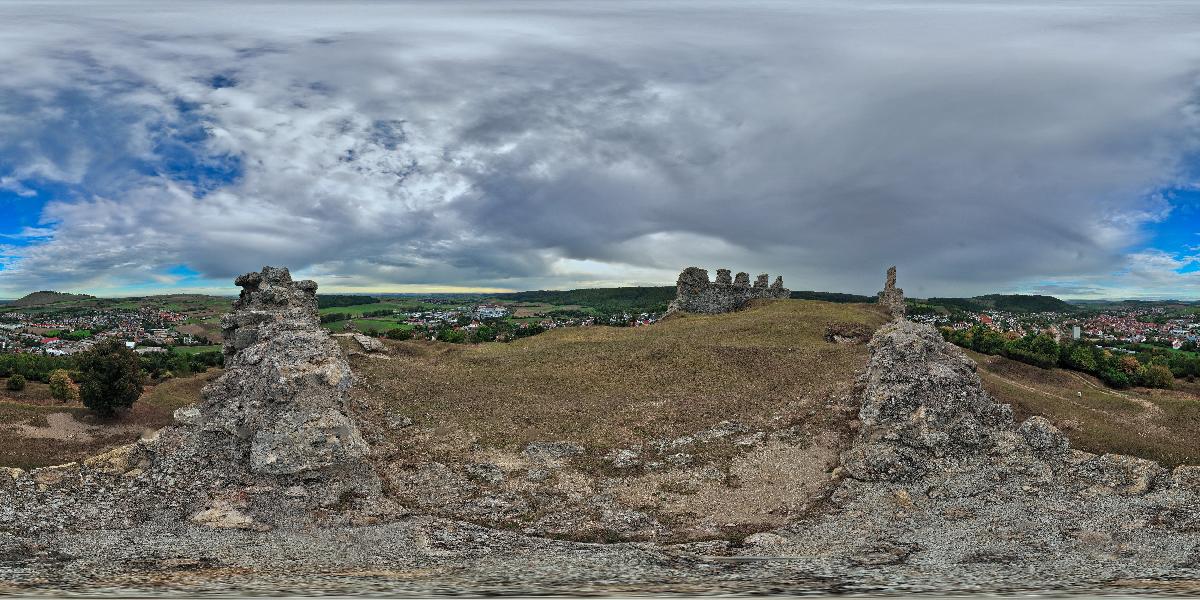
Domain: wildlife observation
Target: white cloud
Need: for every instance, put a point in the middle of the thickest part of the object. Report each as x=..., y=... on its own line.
x=557, y=144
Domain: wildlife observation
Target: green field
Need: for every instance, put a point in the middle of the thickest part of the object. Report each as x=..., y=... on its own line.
x=380, y=325
x=359, y=309
x=196, y=349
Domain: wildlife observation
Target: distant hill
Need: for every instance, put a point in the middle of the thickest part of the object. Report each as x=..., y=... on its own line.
x=336, y=300
x=832, y=297
x=1018, y=303
x=652, y=299
x=47, y=297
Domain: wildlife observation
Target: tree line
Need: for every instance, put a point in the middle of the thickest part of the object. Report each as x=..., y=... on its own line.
x=107, y=378
x=1156, y=368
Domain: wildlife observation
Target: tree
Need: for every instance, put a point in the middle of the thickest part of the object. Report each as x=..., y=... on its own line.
x=16, y=383
x=111, y=377
x=399, y=333
x=61, y=386
x=1130, y=365
x=1158, y=376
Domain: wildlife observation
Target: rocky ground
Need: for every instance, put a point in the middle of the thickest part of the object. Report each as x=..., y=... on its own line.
x=268, y=486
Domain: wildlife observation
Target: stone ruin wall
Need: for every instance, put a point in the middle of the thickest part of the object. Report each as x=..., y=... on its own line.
x=695, y=293
x=892, y=297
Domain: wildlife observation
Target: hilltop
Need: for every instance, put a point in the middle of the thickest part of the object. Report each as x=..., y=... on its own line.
x=1016, y=303
x=682, y=428
x=46, y=297
x=640, y=298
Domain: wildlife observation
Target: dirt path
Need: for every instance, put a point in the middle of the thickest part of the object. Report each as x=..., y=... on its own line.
x=1146, y=404
x=1144, y=418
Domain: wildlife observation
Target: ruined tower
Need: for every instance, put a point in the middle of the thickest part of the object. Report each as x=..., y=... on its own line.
x=892, y=297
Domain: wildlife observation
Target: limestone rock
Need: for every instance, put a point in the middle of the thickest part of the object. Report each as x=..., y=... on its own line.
x=283, y=395
x=369, y=343
x=1043, y=436
x=223, y=515
x=922, y=400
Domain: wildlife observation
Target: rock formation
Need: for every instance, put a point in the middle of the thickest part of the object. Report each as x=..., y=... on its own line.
x=270, y=443
x=892, y=297
x=282, y=399
x=941, y=476
x=696, y=294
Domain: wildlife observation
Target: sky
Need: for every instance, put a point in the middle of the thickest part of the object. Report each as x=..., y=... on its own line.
x=981, y=146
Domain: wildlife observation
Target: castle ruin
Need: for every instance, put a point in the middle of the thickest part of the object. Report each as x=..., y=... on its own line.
x=696, y=294
x=892, y=297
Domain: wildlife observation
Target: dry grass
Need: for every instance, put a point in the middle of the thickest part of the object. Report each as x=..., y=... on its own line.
x=152, y=411
x=1161, y=425
x=605, y=387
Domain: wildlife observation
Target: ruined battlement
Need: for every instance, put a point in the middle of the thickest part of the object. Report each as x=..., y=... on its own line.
x=695, y=293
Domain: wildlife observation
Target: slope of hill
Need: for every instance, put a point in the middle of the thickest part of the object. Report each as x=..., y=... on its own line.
x=651, y=299
x=46, y=297
x=833, y=297
x=1159, y=425
x=1018, y=303
x=698, y=426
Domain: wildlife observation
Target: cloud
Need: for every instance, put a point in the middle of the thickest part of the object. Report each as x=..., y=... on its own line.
x=518, y=145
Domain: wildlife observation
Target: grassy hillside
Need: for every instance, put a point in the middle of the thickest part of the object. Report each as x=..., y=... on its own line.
x=37, y=431
x=46, y=297
x=604, y=386
x=1161, y=425
x=1018, y=303
x=833, y=297
x=640, y=299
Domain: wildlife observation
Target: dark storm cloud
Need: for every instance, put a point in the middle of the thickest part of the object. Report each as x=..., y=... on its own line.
x=979, y=146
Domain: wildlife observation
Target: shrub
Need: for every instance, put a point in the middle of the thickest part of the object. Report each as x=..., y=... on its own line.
x=61, y=386
x=16, y=383
x=1114, y=377
x=1158, y=376
x=111, y=377
x=399, y=333
x=453, y=336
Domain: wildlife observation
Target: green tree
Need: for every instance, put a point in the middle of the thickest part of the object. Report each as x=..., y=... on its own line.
x=111, y=377
x=1158, y=376
x=399, y=333
x=16, y=383
x=453, y=336
x=61, y=386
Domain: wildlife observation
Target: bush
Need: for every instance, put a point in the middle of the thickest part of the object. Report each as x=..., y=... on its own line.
x=111, y=377
x=399, y=333
x=16, y=383
x=452, y=336
x=1114, y=377
x=61, y=386
x=1158, y=376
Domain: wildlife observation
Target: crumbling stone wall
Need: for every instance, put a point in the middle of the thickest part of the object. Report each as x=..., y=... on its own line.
x=892, y=297
x=696, y=294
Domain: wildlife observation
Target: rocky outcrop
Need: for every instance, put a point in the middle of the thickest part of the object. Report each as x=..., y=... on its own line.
x=892, y=297
x=282, y=399
x=942, y=477
x=272, y=443
x=922, y=402
x=696, y=294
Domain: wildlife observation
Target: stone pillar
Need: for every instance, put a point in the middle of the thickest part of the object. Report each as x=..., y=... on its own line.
x=723, y=277
x=761, y=281
x=742, y=280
